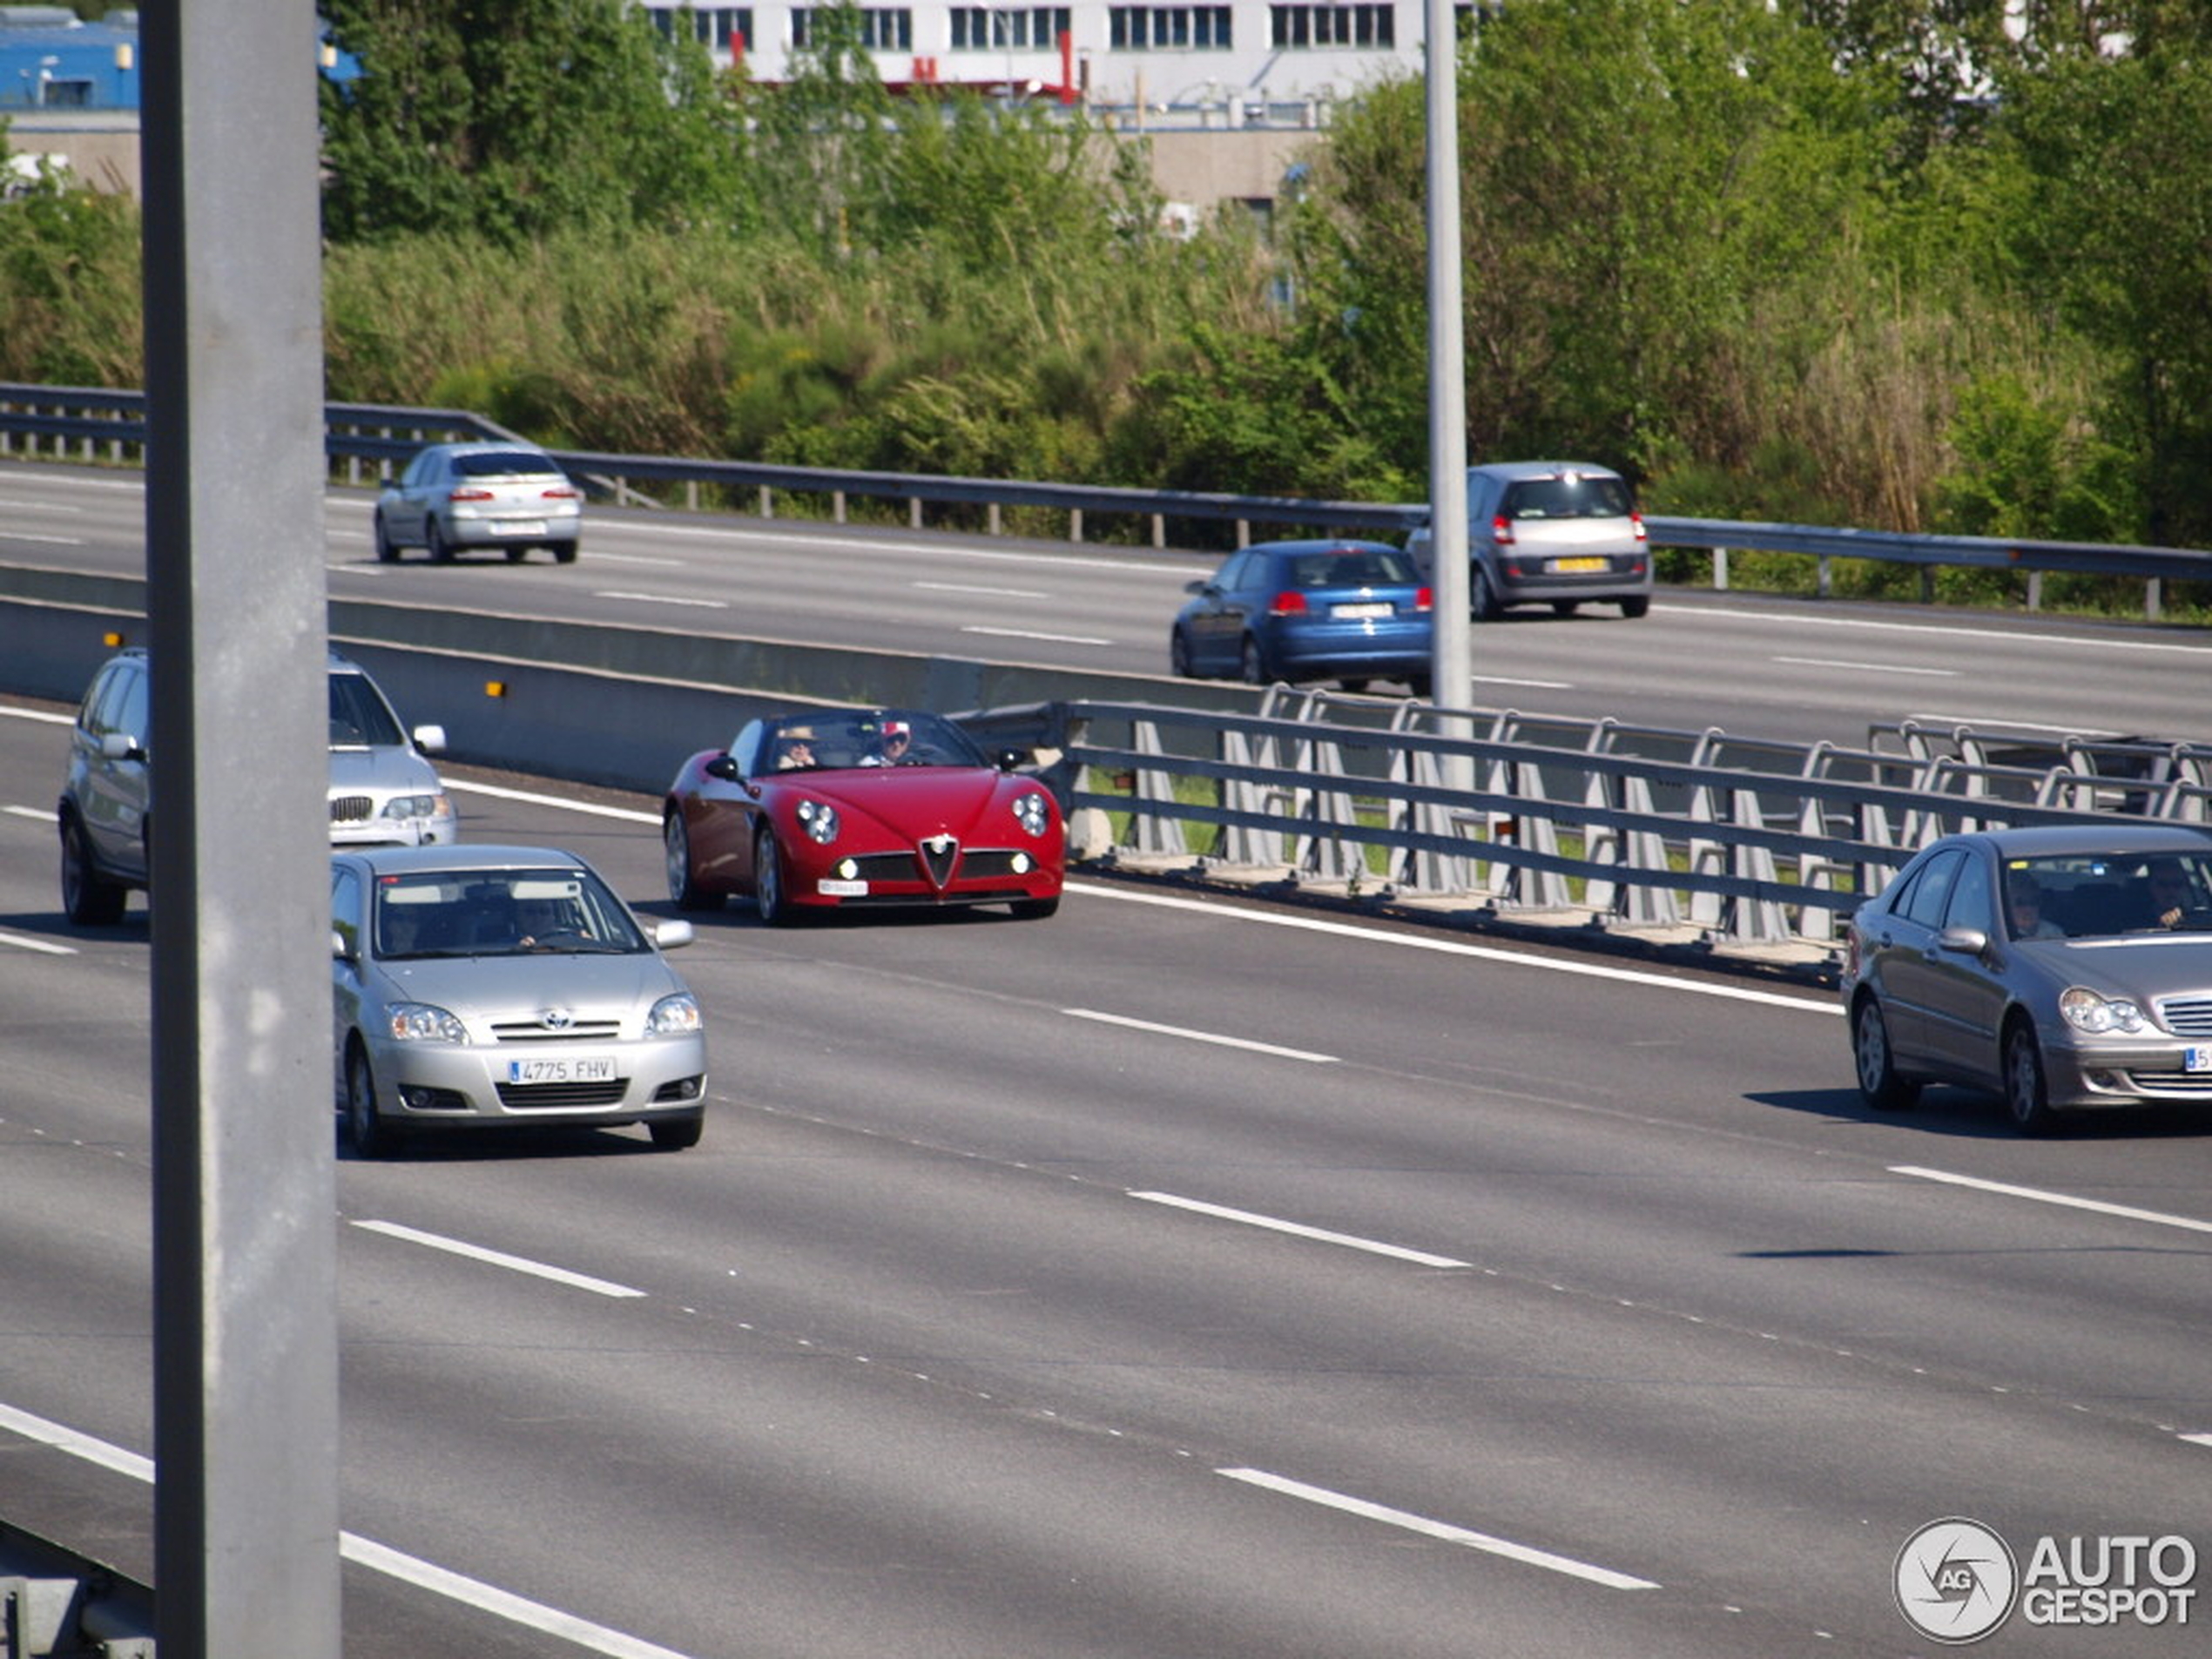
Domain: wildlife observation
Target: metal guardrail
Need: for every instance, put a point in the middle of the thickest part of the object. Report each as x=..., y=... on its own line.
x=1704, y=838
x=1748, y=842
x=364, y=440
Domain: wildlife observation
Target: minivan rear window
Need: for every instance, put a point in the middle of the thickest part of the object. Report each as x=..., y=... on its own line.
x=1581, y=496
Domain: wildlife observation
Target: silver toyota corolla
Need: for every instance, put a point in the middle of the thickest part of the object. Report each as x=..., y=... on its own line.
x=2061, y=968
x=485, y=986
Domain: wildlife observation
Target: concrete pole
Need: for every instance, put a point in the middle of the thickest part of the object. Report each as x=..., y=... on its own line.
x=246, y=1372
x=1452, y=655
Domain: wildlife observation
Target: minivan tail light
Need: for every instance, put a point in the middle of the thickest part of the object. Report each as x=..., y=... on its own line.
x=469, y=492
x=1637, y=519
x=1287, y=603
x=1501, y=530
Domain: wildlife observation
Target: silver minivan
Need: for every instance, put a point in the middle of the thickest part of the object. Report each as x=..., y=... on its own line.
x=1550, y=532
x=383, y=790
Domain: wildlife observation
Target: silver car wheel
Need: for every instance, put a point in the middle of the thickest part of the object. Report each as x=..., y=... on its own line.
x=2027, y=1093
x=768, y=882
x=1482, y=593
x=1878, y=1078
x=88, y=901
x=1255, y=669
x=683, y=890
x=372, y=1139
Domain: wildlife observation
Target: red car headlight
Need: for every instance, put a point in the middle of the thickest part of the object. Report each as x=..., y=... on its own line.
x=1033, y=813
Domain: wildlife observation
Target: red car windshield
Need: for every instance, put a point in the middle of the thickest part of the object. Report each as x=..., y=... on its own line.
x=887, y=738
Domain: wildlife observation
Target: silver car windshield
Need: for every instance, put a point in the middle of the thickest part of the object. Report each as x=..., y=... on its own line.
x=2088, y=895
x=500, y=913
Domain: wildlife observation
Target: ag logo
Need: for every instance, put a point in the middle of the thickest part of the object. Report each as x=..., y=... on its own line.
x=1956, y=1581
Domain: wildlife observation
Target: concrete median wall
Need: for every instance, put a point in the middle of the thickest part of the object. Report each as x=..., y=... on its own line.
x=621, y=707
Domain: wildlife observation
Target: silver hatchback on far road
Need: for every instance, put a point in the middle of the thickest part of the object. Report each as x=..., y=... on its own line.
x=1559, y=533
x=504, y=987
x=455, y=496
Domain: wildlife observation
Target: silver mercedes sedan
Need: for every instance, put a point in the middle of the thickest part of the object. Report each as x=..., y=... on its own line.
x=2059, y=968
x=477, y=986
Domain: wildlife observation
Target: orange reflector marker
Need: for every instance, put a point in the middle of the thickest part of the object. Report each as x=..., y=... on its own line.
x=495, y=688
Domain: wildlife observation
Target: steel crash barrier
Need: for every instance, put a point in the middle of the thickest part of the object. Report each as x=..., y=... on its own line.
x=1668, y=832
x=1699, y=836
x=368, y=443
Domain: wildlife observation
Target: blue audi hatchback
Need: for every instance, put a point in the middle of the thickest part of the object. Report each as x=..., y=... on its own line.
x=1351, y=611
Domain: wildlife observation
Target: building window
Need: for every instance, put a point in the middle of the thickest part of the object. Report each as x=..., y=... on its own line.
x=1168, y=27
x=890, y=29
x=716, y=28
x=1004, y=28
x=1296, y=27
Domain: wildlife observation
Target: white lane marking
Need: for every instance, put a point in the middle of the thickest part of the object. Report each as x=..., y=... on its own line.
x=995, y=593
x=1453, y=948
x=816, y=543
x=2198, y=1440
x=505, y=1604
x=1980, y=636
x=2066, y=1200
x=364, y=1552
x=39, y=813
x=1031, y=633
x=1886, y=668
x=1449, y=1534
x=38, y=506
x=48, y=540
x=628, y=815
x=46, y=1432
x=1410, y=942
x=1350, y=1241
x=1500, y=679
x=660, y=599
x=497, y=1259
x=45, y=947
x=41, y=714
x=1201, y=1036
x=2005, y=722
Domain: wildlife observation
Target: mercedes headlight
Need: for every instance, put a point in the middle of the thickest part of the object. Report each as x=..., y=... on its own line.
x=2088, y=1011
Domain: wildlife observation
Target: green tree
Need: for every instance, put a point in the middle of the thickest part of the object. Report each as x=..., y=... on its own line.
x=2121, y=244
x=509, y=118
x=823, y=140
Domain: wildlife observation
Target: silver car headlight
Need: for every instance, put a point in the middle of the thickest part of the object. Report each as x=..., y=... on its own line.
x=423, y=1023
x=1031, y=812
x=2088, y=1011
x=417, y=806
x=819, y=819
x=674, y=1017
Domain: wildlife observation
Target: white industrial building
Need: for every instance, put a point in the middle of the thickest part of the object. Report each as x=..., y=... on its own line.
x=1249, y=62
